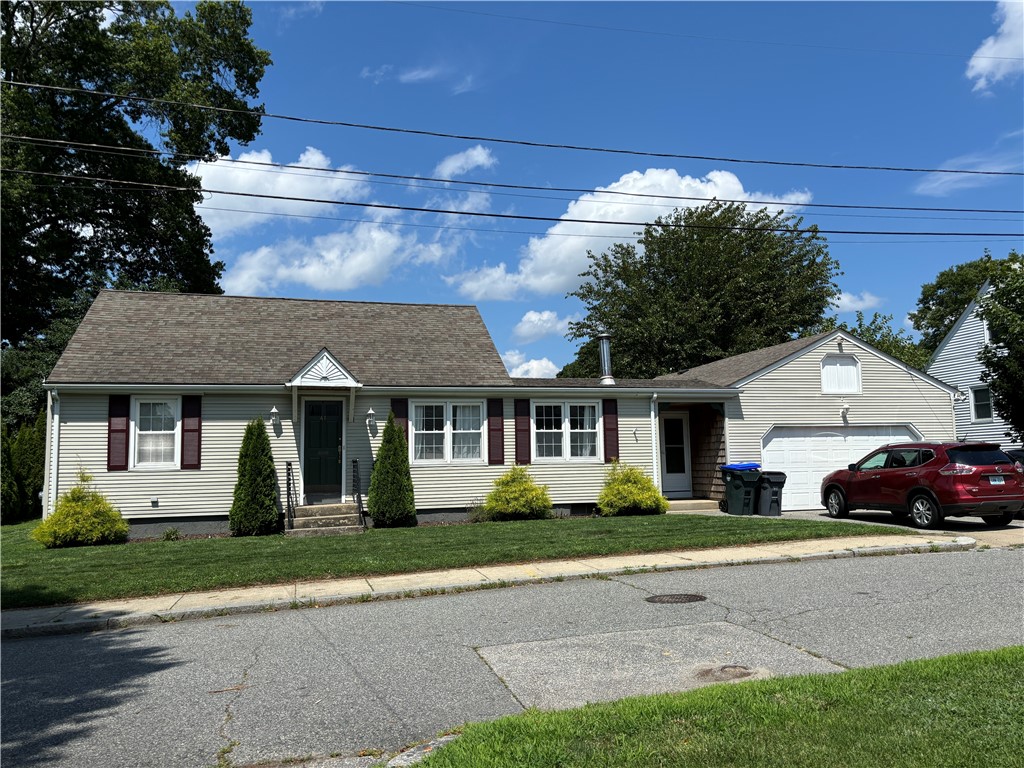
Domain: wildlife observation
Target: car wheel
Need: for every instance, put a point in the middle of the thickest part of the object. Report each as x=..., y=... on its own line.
x=925, y=513
x=835, y=503
x=996, y=520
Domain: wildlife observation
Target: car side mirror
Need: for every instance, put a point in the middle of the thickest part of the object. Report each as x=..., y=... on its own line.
x=852, y=467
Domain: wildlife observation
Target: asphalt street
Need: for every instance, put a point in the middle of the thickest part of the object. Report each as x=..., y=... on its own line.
x=380, y=675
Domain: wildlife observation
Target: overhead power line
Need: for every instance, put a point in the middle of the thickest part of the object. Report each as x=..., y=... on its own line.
x=517, y=142
x=419, y=180
x=510, y=216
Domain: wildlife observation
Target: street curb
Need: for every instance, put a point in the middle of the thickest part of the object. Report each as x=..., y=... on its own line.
x=131, y=620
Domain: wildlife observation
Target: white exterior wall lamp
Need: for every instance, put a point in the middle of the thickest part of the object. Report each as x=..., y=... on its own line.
x=275, y=417
x=371, y=420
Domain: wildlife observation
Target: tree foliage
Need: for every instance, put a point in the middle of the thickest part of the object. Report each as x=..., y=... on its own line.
x=11, y=494
x=702, y=284
x=28, y=457
x=391, y=501
x=943, y=301
x=1003, y=311
x=60, y=236
x=879, y=333
x=254, y=508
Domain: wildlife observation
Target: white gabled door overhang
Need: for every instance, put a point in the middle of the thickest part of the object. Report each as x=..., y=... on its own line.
x=324, y=371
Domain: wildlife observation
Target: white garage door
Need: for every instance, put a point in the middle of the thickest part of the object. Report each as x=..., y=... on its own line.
x=807, y=454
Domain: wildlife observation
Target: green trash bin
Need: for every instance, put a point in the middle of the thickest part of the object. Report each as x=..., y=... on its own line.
x=741, y=486
x=769, y=502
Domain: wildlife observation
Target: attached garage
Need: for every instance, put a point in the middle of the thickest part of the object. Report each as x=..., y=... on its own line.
x=807, y=453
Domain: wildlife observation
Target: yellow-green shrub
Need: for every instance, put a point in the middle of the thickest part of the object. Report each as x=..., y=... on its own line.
x=516, y=497
x=628, y=491
x=83, y=517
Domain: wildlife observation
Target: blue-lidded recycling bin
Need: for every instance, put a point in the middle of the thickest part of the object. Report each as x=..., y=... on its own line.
x=741, y=483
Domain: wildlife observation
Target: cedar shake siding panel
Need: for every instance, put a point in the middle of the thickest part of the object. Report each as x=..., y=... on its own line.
x=707, y=454
x=791, y=395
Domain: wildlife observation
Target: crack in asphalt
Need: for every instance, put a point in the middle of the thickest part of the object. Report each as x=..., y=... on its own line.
x=504, y=683
x=236, y=693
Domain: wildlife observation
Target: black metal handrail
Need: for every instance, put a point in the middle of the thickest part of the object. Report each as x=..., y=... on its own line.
x=290, y=494
x=357, y=492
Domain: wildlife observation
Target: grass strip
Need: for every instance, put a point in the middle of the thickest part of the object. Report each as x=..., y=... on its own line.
x=34, y=576
x=962, y=710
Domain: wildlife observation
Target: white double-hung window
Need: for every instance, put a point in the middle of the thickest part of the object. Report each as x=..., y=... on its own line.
x=567, y=431
x=156, y=432
x=447, y=431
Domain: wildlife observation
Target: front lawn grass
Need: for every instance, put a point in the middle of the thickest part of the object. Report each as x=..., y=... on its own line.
x=34, y=576
x=963, y=710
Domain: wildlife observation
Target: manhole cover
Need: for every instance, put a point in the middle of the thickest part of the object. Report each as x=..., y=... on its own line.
x=675, y=598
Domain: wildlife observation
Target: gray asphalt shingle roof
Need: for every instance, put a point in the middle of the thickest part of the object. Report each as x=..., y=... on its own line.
x=168, y=338
x=729, y=370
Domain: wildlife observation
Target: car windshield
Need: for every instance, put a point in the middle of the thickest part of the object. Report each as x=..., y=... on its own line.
x=978, y=457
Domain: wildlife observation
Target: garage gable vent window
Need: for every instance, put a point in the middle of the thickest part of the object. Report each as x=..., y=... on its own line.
x=840, y=375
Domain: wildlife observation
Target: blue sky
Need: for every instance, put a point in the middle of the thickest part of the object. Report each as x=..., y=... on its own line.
x=926, y=85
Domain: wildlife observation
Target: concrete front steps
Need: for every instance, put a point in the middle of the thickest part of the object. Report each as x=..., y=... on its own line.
x=325, y=520
x=692, y=506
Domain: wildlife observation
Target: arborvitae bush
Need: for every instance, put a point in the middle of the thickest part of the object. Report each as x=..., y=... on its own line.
x=11, y=499
x=516, y=497
x=254, y=509
x=390, y=500
x=83, y=517
x=628, y=491
x=28, y=454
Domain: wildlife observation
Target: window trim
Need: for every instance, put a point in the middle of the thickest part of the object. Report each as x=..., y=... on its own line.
x=845, y=355
x=448, y=444
x=566, y=457
x=133, y=434
x=974, y=410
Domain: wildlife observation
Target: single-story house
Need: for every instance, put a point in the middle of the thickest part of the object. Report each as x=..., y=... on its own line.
x=955, y=361
x=152, y=395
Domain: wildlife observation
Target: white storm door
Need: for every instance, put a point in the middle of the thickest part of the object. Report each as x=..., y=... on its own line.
x=675, y=456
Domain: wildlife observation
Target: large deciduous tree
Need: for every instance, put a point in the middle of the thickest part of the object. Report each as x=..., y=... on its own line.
x=1003, y=311
x=943, y=301
x=702, y=284
x=64, y=231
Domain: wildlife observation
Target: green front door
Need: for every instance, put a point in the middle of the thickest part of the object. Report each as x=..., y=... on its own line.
x=322, y=449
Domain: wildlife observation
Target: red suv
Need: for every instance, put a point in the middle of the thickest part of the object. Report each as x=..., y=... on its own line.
x=930, y=481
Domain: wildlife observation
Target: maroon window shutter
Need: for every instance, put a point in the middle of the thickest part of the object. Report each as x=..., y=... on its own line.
x=118, y=424
x=191, y=431
x=610, y=410
x=400, y=407
x=495, y=431
x=522, y=412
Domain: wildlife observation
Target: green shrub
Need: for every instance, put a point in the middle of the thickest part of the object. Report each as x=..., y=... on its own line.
x=28, y=453
x=516, y=497
x=83, y=517
x=11, y=501
x=171, y=534
x=391, y=501
x=254, y=508
x=628, y=491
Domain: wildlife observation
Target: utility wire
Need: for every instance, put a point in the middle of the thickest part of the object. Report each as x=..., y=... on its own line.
x=512, y=216
x=418, y=180
x=517, y=142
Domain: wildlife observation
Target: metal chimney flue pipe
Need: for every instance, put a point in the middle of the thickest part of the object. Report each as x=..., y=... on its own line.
x=604, y=343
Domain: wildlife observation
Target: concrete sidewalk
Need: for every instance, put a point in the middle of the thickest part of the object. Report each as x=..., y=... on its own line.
x=113, y=614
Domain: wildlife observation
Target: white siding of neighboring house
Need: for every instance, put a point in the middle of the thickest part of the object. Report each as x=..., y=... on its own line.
x=791, y=395
x=208, y=491
x=956, y=363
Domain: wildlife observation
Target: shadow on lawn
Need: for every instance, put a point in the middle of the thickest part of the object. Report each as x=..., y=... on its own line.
x=56, y=688
x=35, y=595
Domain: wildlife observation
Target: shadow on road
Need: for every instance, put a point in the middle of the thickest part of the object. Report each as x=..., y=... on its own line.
x=56, y=688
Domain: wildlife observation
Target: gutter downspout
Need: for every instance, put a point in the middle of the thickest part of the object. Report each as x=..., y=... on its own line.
x=51, y=469
x=655, y=440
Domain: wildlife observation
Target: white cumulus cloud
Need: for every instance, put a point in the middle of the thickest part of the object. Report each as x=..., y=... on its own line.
x=999, y=57
x=552, y=263
x=856, y=302
x=246, y=213
x=462, y=163
x=536, y=325
x=520, y=368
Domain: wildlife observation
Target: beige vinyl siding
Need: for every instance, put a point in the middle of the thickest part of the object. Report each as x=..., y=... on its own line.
x=791, y=396
x=206, y=491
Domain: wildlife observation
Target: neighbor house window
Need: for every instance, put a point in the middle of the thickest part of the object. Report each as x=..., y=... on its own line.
x=446, y=431
x=840, y=375
x=982, y=404
x=156, y=432
x=565, y=431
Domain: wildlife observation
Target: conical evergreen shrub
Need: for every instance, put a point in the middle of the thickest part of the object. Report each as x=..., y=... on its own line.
x=12, y=496
x=254, y=509
x=28, y=454
x=390, y=501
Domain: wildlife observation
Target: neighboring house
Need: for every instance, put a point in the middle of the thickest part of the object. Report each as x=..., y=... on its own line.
x=956, y=362
x=152, y=395
x=816, y=404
